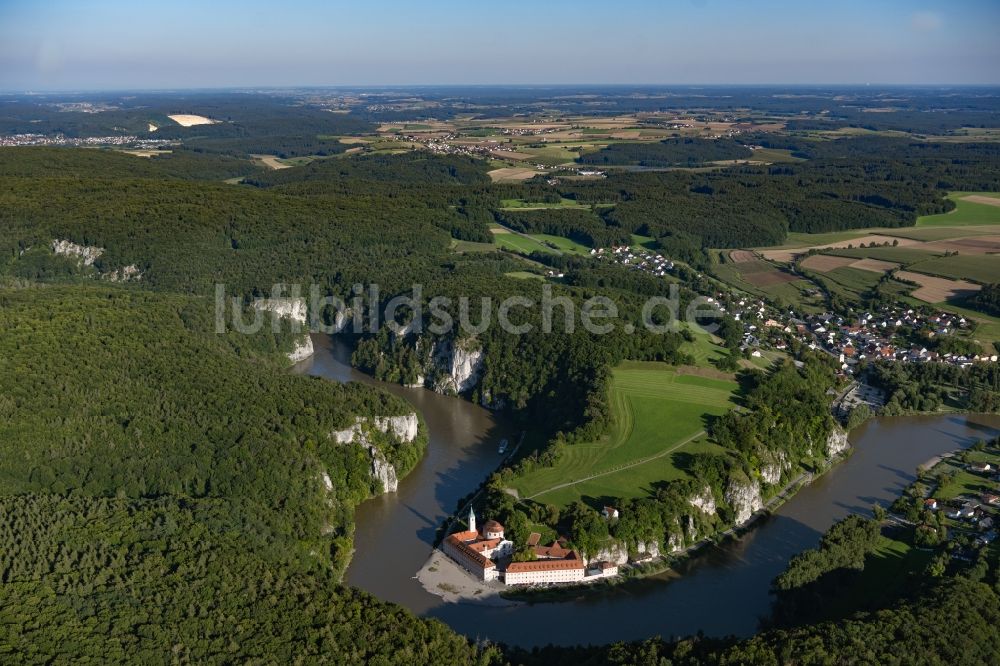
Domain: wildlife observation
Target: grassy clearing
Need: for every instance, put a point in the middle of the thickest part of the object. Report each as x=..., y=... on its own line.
x=521, y=204
x=966, y=212
x=520, y=244
x=657, y=412
x=524, y=275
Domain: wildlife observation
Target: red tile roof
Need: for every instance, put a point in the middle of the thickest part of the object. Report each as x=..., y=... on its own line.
x=545, y=565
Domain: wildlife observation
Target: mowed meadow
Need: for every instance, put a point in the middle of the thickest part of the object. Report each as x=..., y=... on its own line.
x=660, y=416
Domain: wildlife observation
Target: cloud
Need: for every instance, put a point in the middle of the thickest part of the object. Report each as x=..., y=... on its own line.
x=925, y=21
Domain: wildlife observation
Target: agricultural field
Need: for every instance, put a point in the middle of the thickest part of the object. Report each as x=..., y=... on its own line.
x=528, y=243
x=984, y=268
x=935, y=289
x=512, y=174
x=762, y=278
x=896, y=255
x=660, y=414
x=972, y=208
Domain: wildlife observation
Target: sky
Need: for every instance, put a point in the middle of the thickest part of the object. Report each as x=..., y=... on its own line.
x=134, y=44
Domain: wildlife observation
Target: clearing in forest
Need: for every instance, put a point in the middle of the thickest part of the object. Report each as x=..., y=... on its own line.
x=660, y=414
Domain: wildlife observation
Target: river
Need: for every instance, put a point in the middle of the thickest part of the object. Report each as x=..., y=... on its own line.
x=721, y=591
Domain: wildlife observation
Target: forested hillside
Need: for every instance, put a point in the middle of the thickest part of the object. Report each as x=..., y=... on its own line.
x=152, y=468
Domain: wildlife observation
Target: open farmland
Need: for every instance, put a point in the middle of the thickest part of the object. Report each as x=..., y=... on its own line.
x=824, y=263
x=658, y=414
x=789, y=254
x=874, y=265
x=935, y=289
x=511, y=174
x=971, y=208
x=984, y=268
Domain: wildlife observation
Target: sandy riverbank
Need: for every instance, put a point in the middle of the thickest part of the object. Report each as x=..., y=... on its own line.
x=443, y=577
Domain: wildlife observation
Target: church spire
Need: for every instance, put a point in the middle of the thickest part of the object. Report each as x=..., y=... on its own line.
x=472, y=520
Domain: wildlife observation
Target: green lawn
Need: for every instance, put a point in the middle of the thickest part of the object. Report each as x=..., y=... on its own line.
x=965, y=213
x=657, y=412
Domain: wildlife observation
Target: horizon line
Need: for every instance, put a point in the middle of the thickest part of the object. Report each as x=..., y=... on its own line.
x=376, y=86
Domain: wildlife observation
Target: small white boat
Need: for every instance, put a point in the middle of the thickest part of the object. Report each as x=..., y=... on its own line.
x=503, y=446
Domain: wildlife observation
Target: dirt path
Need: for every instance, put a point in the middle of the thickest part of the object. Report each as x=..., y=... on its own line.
x=630, y=465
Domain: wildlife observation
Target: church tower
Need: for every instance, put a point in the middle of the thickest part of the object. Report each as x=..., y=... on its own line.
x=472, y=520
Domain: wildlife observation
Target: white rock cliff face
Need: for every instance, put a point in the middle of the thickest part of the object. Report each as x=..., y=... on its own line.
x=290, y=308
x=837, y=443
x=614, y=553
x=404, y=428
x=704, y=501
x=462, y=367
x=382, y=470
x=745, y=499
x=303, y=349
x=294, y=309
x=87, y=254
x=772, y=470
x=128, y=273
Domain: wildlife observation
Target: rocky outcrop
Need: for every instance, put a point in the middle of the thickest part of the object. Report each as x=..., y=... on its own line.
x=772, y=470
x=128, y=273
x=295, y=310
x=704, y=501
x=289, y=308
x=613, y=553
x=382, y=470
x=744, y=497
x=650, y=549
x=837, y=443
x=460, y=366
x=675, y=543
x=86, y=254
x=403, y=428
x=303, y=349
x=690, y=529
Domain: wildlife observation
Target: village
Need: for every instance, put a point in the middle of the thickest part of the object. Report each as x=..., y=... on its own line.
x=956, y=500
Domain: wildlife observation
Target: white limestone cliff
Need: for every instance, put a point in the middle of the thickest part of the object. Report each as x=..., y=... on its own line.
x=290, y=308
x=772, y=470
x=128, y=273
x=303, y=349
x=704, y=501
x=651, y=548
x=675, y=543
x=382, y=470
x=744, y=497
x=613, y=553
x=461, y=365
x=86, y=254
x=404, y=428
x=294, y=309
x=837, y=443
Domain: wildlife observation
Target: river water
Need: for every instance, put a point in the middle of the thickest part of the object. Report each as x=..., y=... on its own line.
x=721, y=591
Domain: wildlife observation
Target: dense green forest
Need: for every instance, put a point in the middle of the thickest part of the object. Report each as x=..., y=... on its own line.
x=669, y=152
x=150, y=468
